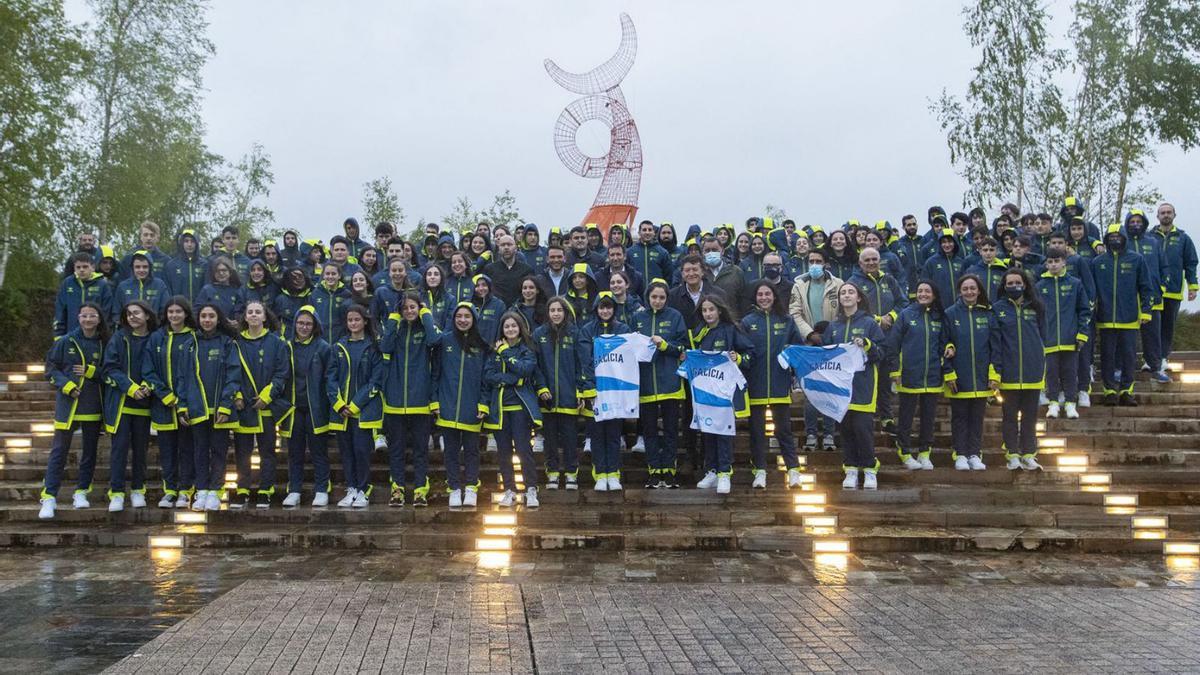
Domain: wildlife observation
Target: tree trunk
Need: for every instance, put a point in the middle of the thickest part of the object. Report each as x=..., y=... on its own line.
x=1126, y=150
x=5, y=244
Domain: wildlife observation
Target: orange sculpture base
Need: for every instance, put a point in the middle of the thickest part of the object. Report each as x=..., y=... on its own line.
x=610, y=214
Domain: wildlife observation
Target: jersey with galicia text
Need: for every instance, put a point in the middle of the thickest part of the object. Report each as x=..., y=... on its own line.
x=714, y=378
x=826, y=374
x=618, y=375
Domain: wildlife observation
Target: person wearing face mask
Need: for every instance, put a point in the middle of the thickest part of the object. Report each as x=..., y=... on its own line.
x=1123, y=301
x=773, y=273
x=1068, y=316
x=814, y=303
x=1150, y=248
x=1021, y=367
x=727, y=277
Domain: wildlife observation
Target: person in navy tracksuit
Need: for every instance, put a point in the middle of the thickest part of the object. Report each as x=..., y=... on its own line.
x=769, y=384
x=488, y=306
x=306, y=426
x=918, y=340
x=84, y=286
x=1179, y=272
x=262, y=400
x=460, y=404
x=661, y=388
x=330, y=299
x=855, y=324
x=563, y=359
x=185, y=272
x=74, y=365
x=353, y=383
x=1021, y=366
x=127, y=404
x=209, y=387
x=945, y=266
x=1123, y=301
x=1068, y=318
x=1150, y=248
x=970, y=373
x=510, y=376
x=717, y=332
x=141, y=285
x=168, y=357
x=605, y=435
x=408, y=394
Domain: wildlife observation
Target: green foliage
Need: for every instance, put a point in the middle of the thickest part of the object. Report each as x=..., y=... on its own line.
x=248, y=181
x=1187, y=332
x=503, y=210
x=462, y=217
x=23, y=312
x=775, y=213
x=380, y=203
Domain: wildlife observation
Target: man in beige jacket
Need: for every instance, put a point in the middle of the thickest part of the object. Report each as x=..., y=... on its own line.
x=814, y=300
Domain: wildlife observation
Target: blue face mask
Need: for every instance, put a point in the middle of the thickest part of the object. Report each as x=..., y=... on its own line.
x=712, y=259
x=816, y=270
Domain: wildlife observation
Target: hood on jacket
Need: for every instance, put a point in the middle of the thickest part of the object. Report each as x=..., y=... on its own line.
x=585, y=270
x=777, y=240
x=936, y=211
x=947, y=233
x=295, y=234
x=1145, y=222
x=693, y=232
x=107, y=253
x=187, y=233
x=1114, y=233
x=1068, y=203
x=312, y=313
x=141, y=255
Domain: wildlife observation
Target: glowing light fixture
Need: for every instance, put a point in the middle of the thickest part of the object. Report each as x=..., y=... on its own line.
x=492, y=544
x=1149, y=534
x=166, y=542
x=809, y=498
x=190, y=517
x=499, y=519
x=500, y=531
x=23, y=443
x=1072, y=463
x=821, y=521
x=1120, y=500
x=18, y=378
x=1149, y=522
x=831, y=546
x=1183, y=563
x=1181, y=548
x=494, y=559
x=41, y=428
x=40, y=369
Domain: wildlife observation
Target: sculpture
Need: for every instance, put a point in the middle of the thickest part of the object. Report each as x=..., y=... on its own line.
x=620, y=170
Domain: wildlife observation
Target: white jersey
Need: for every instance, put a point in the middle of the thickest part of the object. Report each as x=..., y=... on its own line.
x=618, y=376
x=826, y=374
x=715, y=379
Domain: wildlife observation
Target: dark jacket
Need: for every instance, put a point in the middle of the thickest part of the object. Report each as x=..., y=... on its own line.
x=864, y=388
x=1021, y=358
x=659, y=379
x=76, y=349
x=767, y=381
x=976, y=338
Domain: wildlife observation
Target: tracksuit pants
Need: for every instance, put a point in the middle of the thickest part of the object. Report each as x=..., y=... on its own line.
x=243, y=449
x=561, y=443
x=1170, y=312
x=910, y=405
x=858, y=440
x=661, y=445
x=516, y=435
x=211, y=446
x=966, y=426
x=781, y=415
x=606, y=447
x=1018, y=426
x=408, y=434
x=132, y=437
x=317, y=445
x=1086, y=356
x=1152, y=340
x=1117, y=352
x=177, y=457
x=1062, y=375
x=461, y=458
x=59, y=451
x=355, y=445
x=718, y=453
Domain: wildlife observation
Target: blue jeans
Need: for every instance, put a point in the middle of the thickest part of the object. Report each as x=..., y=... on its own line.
x=317, y=445
x=58, y=458
x=816, y=424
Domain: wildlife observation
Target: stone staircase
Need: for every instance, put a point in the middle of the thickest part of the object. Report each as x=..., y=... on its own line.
x=1118, y=480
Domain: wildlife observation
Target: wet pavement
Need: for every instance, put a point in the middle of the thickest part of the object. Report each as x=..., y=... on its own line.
x=81, y=610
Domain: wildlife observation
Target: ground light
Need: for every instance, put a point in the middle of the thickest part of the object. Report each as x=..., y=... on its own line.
x=1072, y=463
x=159, y=541
x=40, y=428
x=1183, y=563
x=190, y=517
x=1190, y=378
x=36, y=369
x=1181, y=548
x=20, y=444
x=18, y=378
x=1121, y=500
x=1149, y=522
x=1095, y=482
x=831, y=546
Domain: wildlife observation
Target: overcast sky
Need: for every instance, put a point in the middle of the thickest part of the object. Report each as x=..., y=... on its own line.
x=821, y=108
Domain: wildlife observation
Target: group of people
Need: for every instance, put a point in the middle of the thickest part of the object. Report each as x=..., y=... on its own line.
x=404, y=347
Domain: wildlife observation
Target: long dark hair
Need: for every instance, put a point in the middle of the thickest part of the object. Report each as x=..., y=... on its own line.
x=102, y=330
x=368, y=324
x=936, y=304
x=182, y=303
x=151, y=317
x=470, y=338
x=222, y=323
x=270, y=321
x=723, y=313
x=864, y=305
x=983, y=300
x=778, y=308
x=522, y=327
x=1029, y=295
x=558, y=331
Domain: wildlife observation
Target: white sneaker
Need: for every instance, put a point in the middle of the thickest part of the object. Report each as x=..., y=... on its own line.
x=851, y=481
x=793, y=478
x=182, y=501
x=80, y=501
x=262, y=501
x=47, y=510
x=639, y=445
x=539, y=444
x=116, y=504
x=1030, y=464
x=470, y=497
x=572, y=482
x=455, y=499
x=167, y=502
x=828, y=443
x=723, y=484
x=507, y=500
x=911, y=463
x=1085, y=400
x=200, y=500
x=321, y=499
x=213, y=502
x=361, y=500
x=708, y=482
x=348, y=501
x=614, y=484
x=491, y=444
x=531, y=500
x=551, y=481
x=1042, y=398
x=870, y=480
x=292, y=500
x=1014, y=463
x=976, y=463
x=601, y=484
x=1072, y=412
x=381, y=442
x=961, y=464
x=760, y=479
x=1052, y=411
x=810, y=443
x=137, y=500
x=926, y=463
x=587, y=445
